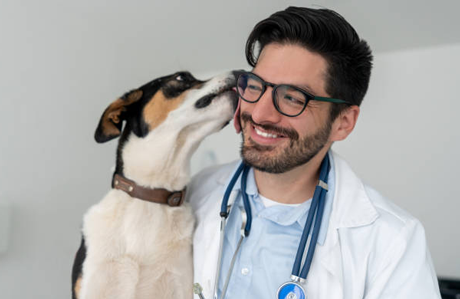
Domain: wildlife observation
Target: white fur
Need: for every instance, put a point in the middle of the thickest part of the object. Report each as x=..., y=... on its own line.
x=152, y=163
x=137, y=249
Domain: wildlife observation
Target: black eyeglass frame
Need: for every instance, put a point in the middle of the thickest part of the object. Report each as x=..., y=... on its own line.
x=308, y=96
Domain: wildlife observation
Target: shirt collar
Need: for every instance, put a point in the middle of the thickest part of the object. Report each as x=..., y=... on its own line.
x=285, y=215
x=349, y=203
x=251, y=186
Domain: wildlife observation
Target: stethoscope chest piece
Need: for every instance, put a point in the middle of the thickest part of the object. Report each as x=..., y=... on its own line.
x=291, y=290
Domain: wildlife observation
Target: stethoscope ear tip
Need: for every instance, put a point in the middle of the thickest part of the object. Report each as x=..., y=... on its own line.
x=198, y=290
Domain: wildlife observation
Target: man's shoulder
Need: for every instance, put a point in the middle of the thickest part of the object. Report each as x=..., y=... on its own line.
x=394, y=229
x=387, y=209
x=394, y=224
x=367, y=203
x=386, y=240
x=209, y=180
x=374, y=226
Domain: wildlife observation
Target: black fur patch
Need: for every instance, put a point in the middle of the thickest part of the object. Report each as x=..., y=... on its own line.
x=78, y=265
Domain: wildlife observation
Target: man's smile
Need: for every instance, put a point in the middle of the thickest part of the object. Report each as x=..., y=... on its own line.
x=260, y=132
x=261, y=136
x=266, y=134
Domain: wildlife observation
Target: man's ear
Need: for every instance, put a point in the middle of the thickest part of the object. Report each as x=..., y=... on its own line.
x=236, y=118
x=112, y=119
x=345, y=123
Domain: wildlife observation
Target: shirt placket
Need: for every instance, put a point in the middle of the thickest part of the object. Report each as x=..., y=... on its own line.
x=242, y=274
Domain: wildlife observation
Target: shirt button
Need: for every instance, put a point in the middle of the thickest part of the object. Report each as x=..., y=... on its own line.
x=245, y=271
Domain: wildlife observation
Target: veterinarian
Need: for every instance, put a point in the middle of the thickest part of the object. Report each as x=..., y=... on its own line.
x=291, y=196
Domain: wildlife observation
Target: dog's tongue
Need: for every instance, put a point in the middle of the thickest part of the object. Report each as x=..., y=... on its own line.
x=236, y=118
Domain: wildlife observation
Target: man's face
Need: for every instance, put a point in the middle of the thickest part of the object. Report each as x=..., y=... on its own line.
x=276, y=143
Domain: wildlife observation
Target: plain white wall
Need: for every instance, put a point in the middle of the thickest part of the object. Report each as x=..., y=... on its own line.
x=61, y=63
x=407, y=142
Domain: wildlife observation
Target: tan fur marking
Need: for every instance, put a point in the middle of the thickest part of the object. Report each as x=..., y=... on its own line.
x=77, y=287
x=115, y=115
x=112, y=115
x=158, y=108
x=198, y=86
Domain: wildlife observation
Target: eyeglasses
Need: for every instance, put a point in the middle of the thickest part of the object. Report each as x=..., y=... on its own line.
x=289, y=100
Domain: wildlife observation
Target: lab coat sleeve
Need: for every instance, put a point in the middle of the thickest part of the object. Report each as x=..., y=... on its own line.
x=406, y=269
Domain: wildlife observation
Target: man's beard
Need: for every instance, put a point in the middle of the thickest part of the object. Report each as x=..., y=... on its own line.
x=276, y=159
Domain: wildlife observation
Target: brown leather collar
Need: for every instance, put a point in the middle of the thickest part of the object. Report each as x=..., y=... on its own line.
x=163, y=196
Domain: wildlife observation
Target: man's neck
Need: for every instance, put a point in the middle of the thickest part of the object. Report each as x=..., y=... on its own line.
x=291, y=187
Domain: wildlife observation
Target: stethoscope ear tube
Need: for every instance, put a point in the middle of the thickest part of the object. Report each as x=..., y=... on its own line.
x=224, y=212
x=244, y=233
x=219, y=259
x=224, y=206
x=244, y=219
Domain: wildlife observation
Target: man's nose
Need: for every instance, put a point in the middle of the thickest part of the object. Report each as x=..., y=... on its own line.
x=264, y=110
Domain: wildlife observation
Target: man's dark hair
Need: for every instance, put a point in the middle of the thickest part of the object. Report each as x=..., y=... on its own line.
x=322, y=31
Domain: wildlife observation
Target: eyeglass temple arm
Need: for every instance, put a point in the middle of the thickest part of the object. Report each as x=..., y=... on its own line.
x=337, y=101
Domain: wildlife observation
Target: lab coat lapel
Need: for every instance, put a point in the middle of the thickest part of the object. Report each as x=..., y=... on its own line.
x=330, y=260
x=205, y=273
x=351, y=208
x=206, y=245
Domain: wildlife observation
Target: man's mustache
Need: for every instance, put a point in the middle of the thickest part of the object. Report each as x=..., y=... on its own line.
x=292, y=134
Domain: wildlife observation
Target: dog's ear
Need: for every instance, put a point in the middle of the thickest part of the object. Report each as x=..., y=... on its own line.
x=112, y=119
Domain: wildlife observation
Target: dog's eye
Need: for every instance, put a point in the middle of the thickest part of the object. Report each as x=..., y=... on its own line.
x=180, y=78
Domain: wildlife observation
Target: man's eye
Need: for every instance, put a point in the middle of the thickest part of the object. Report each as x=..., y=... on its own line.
x=254, y=88
x=293, y=100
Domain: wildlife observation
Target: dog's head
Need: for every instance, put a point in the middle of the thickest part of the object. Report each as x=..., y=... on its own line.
x=165, y=120
x=148, y=107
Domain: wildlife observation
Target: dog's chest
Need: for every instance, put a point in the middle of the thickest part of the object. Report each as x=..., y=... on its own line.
x=120, y=225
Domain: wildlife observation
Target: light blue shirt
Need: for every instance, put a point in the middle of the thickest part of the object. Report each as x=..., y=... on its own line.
x=267, y=255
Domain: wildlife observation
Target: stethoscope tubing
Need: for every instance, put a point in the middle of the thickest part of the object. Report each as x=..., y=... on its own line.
x=315, y=214
x=224, y=206
x=224, y=212
x=224, y=209
x=247, y=205
x=232, y=263
x=316, y=209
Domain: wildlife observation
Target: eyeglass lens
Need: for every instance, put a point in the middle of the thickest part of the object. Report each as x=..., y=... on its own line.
x=287, y=99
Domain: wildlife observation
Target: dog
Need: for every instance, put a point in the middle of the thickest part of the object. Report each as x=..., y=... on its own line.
x=132, y=247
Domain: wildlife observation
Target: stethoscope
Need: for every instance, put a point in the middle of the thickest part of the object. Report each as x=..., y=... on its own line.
x=291, y=289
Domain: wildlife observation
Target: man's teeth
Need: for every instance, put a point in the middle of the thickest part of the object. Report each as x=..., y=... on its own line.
x=264, y=134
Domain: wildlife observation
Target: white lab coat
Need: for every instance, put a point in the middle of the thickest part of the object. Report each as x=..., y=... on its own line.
x=373, y=249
